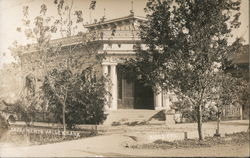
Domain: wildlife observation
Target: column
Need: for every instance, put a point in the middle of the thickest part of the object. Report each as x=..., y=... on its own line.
x=166, y=101
x=113, y=76
x=158, y=99
x=105, y=74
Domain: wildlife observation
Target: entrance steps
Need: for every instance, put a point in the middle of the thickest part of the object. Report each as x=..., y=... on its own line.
x=135, y=117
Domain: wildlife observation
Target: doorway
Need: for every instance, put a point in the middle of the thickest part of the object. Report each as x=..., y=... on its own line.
x=144, y=96
x=133, y=94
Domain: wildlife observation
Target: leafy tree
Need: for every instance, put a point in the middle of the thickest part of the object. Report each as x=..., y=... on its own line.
x=89, y=96
x=225, y=91
x=86, y=96
x=187, y=46
x=65, y=25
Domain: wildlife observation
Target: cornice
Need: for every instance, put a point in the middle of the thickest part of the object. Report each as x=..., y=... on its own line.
x=116, y=21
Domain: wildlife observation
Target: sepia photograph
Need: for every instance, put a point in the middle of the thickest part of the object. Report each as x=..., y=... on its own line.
x=124, y=78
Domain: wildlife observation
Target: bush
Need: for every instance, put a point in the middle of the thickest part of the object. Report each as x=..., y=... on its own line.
x=189, y=113
x=4, y=125
x=19, y=108
x=3, y=122
x=85, y=97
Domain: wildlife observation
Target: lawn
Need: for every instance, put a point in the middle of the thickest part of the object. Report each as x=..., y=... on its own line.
x=235, y=138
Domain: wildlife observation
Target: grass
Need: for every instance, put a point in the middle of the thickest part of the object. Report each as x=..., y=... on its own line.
x=235, y=138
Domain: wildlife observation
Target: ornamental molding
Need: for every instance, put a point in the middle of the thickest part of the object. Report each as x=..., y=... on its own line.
x=116, y=59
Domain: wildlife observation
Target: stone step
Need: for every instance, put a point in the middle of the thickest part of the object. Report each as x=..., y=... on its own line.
x=135, y=116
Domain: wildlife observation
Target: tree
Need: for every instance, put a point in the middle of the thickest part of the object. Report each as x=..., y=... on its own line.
x=186, y=46
x=47, y=51
x=225, y=91
x=86, y=96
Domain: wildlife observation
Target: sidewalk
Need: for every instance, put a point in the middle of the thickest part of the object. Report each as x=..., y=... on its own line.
x=150, y=133
x=114, y=144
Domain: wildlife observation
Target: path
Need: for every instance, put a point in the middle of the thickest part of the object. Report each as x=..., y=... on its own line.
x=114, y=145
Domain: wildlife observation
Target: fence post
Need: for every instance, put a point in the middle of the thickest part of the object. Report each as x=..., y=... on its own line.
x=185, y=135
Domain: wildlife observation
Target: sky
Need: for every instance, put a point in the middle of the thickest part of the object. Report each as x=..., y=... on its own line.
x=11, y=15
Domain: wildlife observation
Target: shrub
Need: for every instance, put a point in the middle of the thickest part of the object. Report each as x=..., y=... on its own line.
x=21, y=109
x=3, y=122
x=189, y=113
x=3, y=125
x=85, y=97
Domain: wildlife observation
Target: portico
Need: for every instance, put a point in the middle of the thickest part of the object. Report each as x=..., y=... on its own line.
x=118, y=38
x=160, y=100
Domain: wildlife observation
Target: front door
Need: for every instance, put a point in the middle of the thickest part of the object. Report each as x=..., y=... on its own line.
x=126, y=94
x=134, y=95
x=144, y=96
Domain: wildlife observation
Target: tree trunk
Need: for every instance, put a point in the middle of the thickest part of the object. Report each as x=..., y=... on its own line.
x=200, y=122
x=218, y=123
x=64, y=122
x=218, y=127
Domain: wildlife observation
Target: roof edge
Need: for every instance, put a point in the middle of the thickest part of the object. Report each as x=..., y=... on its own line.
x=116, y=20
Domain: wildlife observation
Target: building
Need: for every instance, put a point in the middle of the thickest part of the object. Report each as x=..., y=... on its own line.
x=241, y=59
x=115, y=39
x=119, y=47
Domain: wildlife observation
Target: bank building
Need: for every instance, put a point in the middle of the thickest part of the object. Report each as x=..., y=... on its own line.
x=130, y=100
x=117, y=40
